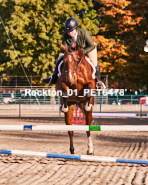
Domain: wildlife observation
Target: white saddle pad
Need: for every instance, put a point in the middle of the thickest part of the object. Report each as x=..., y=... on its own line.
x=88, y=60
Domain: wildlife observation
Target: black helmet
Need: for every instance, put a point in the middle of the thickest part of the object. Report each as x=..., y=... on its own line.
x=70, y=25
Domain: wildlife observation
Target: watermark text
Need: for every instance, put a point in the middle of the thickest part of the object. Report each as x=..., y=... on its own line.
x=74, y=92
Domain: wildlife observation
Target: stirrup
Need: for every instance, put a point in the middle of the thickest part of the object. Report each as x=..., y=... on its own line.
x=50, y=80
x=46, y=80
x=100, y=85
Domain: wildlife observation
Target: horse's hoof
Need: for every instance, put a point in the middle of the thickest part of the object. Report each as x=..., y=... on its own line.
x=72, y=150
x=90, y=153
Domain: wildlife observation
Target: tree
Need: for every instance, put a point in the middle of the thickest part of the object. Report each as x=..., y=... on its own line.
x=36, y=29
x=122, y=35
x=7, y=8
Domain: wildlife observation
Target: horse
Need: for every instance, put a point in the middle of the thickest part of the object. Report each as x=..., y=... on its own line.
x=77, y=77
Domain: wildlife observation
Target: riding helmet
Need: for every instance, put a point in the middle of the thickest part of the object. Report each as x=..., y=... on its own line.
x=70, y=25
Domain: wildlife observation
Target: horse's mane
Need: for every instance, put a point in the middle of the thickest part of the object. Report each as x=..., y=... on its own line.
x=74, y=47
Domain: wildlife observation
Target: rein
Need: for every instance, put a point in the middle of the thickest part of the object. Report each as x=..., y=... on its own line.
x=74, y=62
x=66, y=71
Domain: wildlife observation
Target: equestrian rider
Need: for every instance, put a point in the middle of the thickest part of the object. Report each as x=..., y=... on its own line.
x=83, y=39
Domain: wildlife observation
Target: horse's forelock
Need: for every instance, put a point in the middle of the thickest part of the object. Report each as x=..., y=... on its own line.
x=73, y=45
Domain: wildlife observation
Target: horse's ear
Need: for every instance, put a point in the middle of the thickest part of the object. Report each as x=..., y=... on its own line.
x=77, y=47
x=73, y=45
x=64, y=48
x=81, y=52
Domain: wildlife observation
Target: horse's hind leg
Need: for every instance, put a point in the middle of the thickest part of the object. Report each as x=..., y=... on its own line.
x=71, y=142
x=68, y=121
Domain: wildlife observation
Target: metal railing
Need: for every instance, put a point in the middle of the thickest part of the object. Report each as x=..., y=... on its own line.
x=10, y=98
x=126, y=99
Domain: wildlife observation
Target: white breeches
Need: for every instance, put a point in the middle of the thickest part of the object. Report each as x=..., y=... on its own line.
x=93, y=56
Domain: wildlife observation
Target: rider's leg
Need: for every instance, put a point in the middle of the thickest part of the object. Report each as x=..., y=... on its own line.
x=53, y=78
x=98, y=72
x=93, y=57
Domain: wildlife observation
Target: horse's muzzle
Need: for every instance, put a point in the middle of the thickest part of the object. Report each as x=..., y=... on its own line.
x=69, y=82
x=70, y=78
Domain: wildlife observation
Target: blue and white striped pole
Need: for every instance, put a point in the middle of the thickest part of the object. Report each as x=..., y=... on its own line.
x=75, y=157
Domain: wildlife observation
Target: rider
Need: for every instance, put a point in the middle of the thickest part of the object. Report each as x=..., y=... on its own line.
x=83, y=39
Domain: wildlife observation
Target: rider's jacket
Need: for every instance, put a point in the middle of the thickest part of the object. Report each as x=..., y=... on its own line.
x=84, y=40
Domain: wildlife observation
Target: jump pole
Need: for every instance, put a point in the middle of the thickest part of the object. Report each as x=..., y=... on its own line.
x=75, y=127
x=75, y=157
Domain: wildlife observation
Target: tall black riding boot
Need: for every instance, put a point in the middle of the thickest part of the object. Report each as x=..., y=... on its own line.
x=97, y=73
x=99, y=83
x=53, y=78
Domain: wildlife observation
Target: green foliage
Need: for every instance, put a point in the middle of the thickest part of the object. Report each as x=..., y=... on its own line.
x=36, y=30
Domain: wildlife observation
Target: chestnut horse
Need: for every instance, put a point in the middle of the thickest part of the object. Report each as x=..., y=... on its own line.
x=76, y=80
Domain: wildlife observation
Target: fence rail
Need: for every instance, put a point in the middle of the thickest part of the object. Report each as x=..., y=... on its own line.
x=12, y=88
x=10, y=98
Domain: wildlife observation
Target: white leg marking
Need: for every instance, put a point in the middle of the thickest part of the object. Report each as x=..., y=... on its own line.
x=64, y=109
x=88, y=108
x=90, y=146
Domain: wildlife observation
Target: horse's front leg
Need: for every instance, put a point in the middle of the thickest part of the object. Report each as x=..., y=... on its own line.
x=88, y=117
x=71, y=141
x=90, y=150
x=68, y=121
x=88, y=93
x=88, y=106
x=88, y=122
x=65, y=89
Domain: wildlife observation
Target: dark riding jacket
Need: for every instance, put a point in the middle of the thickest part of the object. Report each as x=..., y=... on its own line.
x=84, y=40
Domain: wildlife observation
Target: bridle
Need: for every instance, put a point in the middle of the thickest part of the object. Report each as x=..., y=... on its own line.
x=78, y=62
